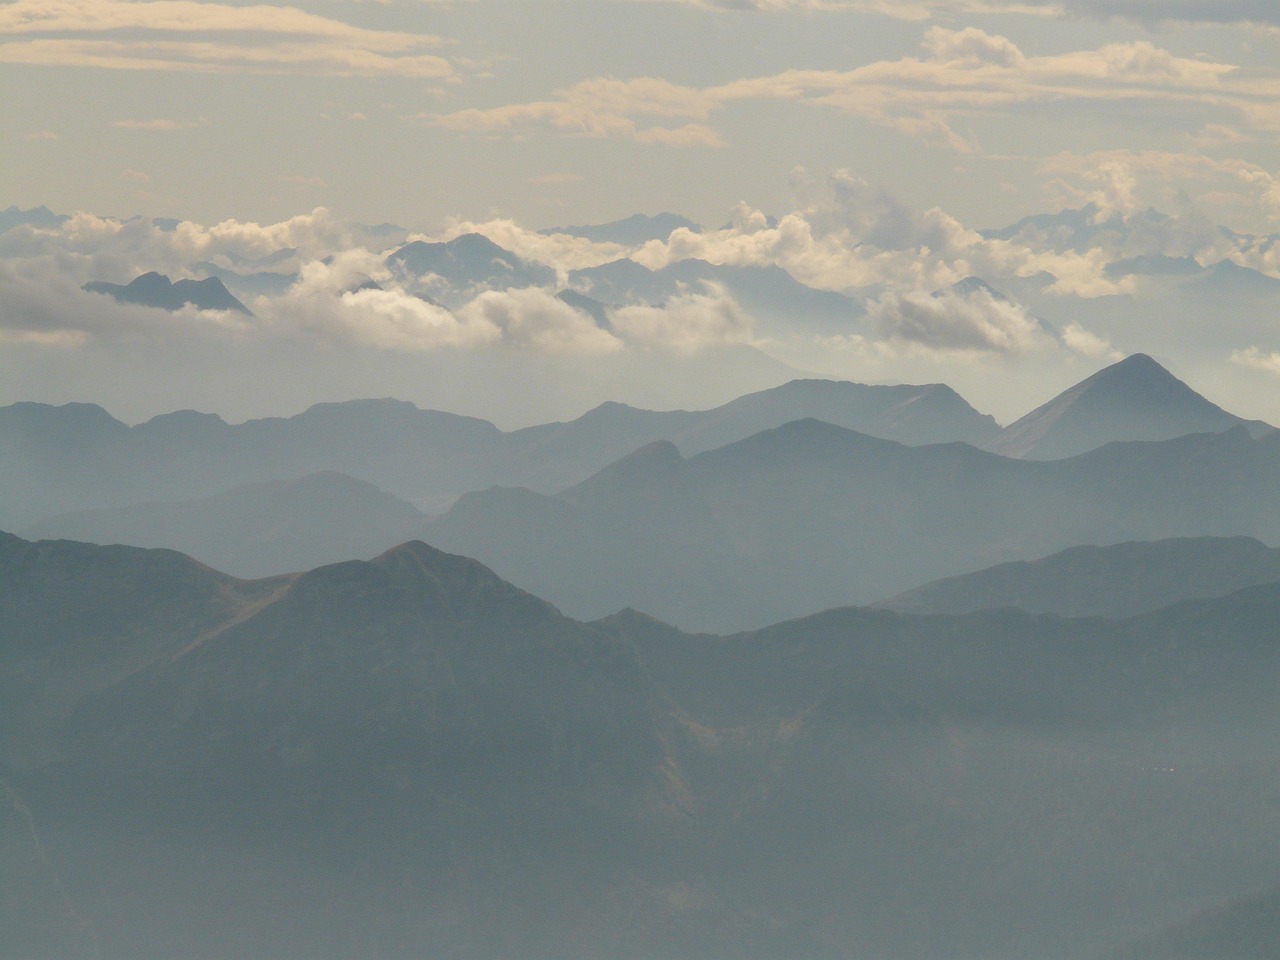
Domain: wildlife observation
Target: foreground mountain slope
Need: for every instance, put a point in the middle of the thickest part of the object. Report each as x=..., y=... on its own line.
x=76, y=618
x=1114, y=581
x=376, y=743
x=1245, y=928
x=409, y=756
x=1133, y=399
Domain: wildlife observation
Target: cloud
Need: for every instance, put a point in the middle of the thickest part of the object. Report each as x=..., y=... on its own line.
x=603, y=107
x=1079, y=340
x=962, y=73
x=186, y=35
x=87, y=247
x=43, y=135
x=137, y=176
x=1124, y=186
x=1256, y=358
x=897, y=9
x=949, y=321
x=1255, y=12
x=849, y=235
x=536, y=319
x=386, y=319
x=687, y=323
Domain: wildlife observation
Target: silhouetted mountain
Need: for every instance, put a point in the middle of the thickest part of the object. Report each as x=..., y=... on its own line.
x=466, y=265
x=40, y=217
x=259, y=529
x=156, y=290
x=409, y=756
x=1116, y=581
x=631, y=231
x=810, y=515
x=1134, y=399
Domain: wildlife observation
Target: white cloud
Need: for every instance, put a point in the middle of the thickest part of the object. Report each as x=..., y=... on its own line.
x=897, y=9
x=536, y=319
x=963, y=73
x=976, y=322
x=186, y=35
x=1256, y=358
x=386, y=319
x=1079, y=340
x=88, y=247
x=604, y=107
x=1126, y=181
x=687, y=323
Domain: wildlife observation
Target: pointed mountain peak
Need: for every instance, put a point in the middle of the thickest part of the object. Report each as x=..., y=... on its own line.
x=1133, y=399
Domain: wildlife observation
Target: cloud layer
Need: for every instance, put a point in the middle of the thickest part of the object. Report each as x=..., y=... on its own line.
x=207, y=37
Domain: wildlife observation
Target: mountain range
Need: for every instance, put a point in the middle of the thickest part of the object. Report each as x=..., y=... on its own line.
x=809, y=515
x=409, y=756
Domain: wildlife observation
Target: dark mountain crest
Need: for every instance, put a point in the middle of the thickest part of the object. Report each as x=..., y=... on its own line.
x=156, y=290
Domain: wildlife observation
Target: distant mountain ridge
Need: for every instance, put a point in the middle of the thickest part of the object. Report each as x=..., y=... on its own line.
x=809, y=515
x=58, y=459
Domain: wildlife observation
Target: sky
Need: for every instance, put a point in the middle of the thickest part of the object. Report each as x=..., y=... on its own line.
x=880, y=136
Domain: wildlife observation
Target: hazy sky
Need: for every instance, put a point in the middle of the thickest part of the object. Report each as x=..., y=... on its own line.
x=586, y=111
x=883, y=134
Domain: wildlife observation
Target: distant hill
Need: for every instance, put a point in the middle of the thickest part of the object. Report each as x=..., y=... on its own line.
x=1134, y=399
x=156, y=290
x=1121, y=580
x=631, y=231
x=258, y=529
